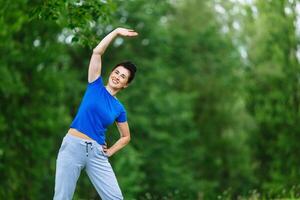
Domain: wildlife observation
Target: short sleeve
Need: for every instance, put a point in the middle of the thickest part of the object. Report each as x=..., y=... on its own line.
x=122, y=117
x=98, y=81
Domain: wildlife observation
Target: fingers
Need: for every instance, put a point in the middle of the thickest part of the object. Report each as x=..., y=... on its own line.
x=104, y=147
x=132, y=34
x=106, y=150
x=127, y=32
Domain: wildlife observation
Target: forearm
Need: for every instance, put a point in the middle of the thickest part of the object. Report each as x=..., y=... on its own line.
x=122, y=142
x=101, y=47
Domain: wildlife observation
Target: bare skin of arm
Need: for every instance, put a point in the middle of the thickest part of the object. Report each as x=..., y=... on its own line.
x=95, y=61
x=123, y=141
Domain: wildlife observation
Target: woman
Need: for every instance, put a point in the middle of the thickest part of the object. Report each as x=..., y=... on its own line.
x=84, y=145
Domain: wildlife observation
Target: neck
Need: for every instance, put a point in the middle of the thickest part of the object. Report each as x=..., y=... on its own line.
x=111, y=90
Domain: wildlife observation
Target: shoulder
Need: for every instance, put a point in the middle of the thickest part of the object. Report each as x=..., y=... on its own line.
x=97, y=81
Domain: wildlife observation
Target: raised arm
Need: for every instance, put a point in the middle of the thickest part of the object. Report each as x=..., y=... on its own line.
x=95, y=61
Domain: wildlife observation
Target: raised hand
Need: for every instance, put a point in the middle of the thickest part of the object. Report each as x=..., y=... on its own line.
x=95, y=62
x=126, y=32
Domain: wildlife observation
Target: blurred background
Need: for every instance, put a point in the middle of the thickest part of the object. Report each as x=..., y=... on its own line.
x=213, y=111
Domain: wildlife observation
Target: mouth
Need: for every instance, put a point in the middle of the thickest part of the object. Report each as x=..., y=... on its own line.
x=115, y=81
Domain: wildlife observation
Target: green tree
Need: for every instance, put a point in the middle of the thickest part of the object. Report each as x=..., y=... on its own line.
x=209, y=66
x=37, y=90
x=273, y=92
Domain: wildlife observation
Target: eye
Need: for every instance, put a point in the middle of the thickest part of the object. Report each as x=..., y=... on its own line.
x=123, y=76
x=117, y=72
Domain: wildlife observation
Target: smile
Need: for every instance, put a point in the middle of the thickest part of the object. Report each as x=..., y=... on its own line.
x=114, y=81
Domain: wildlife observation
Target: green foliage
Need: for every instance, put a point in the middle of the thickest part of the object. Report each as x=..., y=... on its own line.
x=206, y=121
x=83, y=19
x=273, y=95
x=33, y=94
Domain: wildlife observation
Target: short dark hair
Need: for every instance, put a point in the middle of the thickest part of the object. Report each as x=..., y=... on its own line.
x=130, y=66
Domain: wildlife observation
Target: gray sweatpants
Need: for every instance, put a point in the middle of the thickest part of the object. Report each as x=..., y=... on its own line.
x=74, y=155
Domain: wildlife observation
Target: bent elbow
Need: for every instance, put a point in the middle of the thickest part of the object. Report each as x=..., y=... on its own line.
x=97, y=51
x=128, y=139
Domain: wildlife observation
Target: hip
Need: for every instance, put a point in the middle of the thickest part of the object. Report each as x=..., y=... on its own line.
x=76, y=133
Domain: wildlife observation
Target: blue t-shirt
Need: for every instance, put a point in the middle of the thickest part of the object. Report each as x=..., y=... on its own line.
x=98, y=110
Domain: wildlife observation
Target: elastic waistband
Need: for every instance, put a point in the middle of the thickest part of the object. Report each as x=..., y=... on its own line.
x=81, y=140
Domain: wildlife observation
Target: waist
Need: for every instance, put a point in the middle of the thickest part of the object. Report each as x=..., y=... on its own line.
x=76, y=133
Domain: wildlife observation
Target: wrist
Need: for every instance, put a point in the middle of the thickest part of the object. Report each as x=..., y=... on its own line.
x=116, y=31
x=109, y=152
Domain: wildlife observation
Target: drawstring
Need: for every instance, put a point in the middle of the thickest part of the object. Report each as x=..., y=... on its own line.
x=86, y=147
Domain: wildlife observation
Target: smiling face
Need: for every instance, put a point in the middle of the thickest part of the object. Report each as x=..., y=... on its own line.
x=118, y=78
